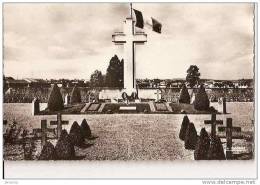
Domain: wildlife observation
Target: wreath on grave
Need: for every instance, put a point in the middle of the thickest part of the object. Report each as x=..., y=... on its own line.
x=124, y=96
x=220, y=100
x=134, y=95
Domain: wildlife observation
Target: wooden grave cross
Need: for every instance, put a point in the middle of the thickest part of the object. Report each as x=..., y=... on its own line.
x=43, y=132
x=213, y=123
x=59, y=124
x=231, y=133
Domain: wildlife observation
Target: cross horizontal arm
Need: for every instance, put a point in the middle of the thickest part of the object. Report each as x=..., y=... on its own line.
x=140, y=38
x=233, y=129
x=217, y=122
x=119, y=38
x=56, y=122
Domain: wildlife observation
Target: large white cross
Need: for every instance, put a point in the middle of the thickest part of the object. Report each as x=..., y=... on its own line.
x=129, y=38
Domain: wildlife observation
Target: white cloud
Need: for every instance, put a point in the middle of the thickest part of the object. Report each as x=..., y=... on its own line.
x=75, y=39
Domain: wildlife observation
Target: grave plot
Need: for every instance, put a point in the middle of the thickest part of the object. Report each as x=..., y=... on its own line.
x=224, y=142
x=21, y=143
x=51, y=143
x=237, y=146
x=126, y=108
x=94, y=107
x=160, y=107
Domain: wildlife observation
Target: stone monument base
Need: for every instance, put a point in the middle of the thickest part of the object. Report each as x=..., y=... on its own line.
x=116, y=94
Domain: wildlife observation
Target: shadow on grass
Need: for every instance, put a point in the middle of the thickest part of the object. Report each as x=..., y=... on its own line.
x=85, y=145
x=92, y=137
x=243, y=156
x=79, y=157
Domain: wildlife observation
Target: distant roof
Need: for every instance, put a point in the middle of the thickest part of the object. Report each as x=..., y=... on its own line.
x=13, y=81
x=32, y=80
x=9, y=78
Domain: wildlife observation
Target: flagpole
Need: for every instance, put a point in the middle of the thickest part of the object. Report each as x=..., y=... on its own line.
x=131, y=14
x=131, y=11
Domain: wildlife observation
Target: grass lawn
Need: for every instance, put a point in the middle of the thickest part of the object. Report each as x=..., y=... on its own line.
x=128, y=136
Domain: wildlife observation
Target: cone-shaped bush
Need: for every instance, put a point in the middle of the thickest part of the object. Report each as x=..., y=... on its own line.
x=64, y=148
x=184, y=126
x=48, y=152
x=55, y=101
x=184, y=95
x=86, y=132
x=190, y=137
x=216, y=151
x=201, y=101
x=75, y=95
x=202, y=146
x=76, y=135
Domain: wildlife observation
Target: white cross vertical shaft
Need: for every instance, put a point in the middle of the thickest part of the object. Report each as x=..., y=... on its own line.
x=129, y=56
x=129, y=39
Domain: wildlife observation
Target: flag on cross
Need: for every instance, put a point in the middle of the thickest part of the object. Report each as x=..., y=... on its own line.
x=151, y=22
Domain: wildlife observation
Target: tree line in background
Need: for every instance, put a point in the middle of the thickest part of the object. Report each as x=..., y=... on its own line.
x=114, y=75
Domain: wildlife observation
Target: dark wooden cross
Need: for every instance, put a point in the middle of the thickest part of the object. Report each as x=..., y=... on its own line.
x=231, y=133
x=42, y=132
x=59, y=124
x=5, y=122
x=213, y=122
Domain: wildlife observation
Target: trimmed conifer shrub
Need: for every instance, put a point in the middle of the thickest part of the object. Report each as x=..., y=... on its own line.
x=76, y=134
x=48, y=152
x=202, y=146
x=184, y=95
x=55, y=101
x=64, y=148
x=216, y=151
x=190, y=137
x=201, y=101
x=184, y=126
x=86, y=132
x=75, y=96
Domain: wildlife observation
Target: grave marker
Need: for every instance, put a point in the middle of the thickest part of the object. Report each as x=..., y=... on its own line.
x=231, y=133
x=35, y=106
x=67, y=99
x=222, y=106
x=130, y=108
x=43, y=132
x=129, y=38
x=236, y=131
x=59, y=124
x=158, y=93
x=213, y=123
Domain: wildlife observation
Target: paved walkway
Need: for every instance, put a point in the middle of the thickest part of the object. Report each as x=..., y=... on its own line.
x=85, y=107
x=152, y=106
x=101, y=107
x=168, y=106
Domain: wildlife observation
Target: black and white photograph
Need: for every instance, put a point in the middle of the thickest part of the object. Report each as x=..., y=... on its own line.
x=128, y=82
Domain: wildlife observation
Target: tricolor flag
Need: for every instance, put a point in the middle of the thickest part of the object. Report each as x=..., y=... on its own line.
x=153, y=23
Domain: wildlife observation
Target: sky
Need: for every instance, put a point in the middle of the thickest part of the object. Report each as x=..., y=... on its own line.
x=72, y=40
